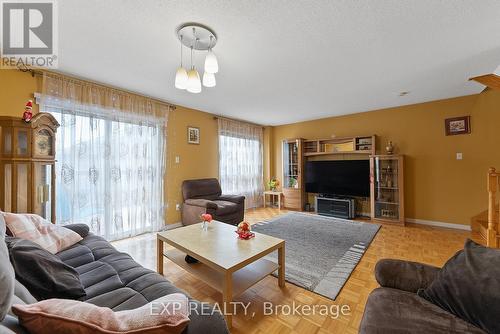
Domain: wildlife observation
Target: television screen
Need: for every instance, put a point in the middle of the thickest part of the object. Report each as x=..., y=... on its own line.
x=338, y=177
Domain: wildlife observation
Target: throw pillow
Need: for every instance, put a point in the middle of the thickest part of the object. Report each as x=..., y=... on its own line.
x=168, y=314
x=43, y=273
x=82, y=229
x=468, y=286
x=32, y=227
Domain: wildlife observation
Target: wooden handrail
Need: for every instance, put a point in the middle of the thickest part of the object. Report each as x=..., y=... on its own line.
x=493, y=222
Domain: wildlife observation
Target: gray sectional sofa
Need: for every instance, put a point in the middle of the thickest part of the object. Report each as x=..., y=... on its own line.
x=110, y=279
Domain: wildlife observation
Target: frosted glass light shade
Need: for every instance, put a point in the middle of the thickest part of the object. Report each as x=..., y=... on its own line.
x=181, y=78
x=211, y=64
x=194, y=82
x=208, y=79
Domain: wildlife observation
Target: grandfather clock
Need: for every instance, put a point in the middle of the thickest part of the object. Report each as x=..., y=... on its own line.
x=27, y=158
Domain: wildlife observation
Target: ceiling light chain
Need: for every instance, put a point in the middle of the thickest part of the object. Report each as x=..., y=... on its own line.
x=181, y=51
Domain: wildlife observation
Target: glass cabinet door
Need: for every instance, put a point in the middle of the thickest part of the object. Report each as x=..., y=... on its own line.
x=386, y=188
x=7, y=185
x=42, y=183
x=290, y=164
x=23, y=187
x=6, y=141
x=22, y=142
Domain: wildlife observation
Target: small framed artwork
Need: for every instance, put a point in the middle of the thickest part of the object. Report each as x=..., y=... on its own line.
x=457, y=125
x=193, y=135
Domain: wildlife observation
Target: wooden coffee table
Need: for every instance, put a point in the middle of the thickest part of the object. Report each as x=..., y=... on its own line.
x=227, y=264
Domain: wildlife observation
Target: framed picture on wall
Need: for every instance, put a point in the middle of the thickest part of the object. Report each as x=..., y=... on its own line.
x=193, y=135
x=457, y=125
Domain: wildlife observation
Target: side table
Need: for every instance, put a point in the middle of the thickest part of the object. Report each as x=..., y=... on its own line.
x=272, y=194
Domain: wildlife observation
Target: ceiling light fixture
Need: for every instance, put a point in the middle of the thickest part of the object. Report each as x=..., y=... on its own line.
x=209, y=79
x=211, y=64
x=181, y=76
x=194, y=83
x=197, y=37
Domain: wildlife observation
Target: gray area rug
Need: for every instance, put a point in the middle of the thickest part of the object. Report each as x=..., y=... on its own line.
x=321, y=252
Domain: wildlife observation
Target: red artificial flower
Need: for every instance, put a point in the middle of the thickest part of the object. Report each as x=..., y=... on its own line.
x=206, y=217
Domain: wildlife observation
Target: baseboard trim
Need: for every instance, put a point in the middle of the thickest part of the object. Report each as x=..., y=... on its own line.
x=438, y=224
x=172, y=226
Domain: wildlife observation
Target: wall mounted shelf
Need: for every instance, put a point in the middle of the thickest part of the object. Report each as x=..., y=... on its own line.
x=344, y=145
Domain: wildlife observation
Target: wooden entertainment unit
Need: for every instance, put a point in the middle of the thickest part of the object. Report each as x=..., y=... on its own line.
x=386, y=189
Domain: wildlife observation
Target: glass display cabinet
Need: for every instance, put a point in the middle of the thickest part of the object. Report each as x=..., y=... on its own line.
x=27, y=158
x=293, y=192
x=387, y=188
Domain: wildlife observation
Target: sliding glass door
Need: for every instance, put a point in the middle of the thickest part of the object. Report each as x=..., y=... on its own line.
x=110, y=173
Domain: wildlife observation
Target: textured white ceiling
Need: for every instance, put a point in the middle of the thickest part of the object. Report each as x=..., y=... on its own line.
x=283, y=61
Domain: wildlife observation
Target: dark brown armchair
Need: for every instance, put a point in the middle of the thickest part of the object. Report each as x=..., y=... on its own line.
x=205, y=196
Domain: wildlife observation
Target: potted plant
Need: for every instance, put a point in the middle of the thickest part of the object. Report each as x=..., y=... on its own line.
x=273, y=184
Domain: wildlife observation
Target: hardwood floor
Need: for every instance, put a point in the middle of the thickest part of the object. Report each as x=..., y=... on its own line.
x=414, y=242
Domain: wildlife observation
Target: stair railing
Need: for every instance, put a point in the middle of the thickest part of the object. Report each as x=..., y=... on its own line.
x=493, y=216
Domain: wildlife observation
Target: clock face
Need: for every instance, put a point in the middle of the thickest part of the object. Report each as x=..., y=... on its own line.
x=43, y=143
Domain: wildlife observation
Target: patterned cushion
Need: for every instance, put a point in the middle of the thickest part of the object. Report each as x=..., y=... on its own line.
x=32, y=227
x=167, y=314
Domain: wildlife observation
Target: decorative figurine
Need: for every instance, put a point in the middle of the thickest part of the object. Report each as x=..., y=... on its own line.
x=389, y=148
x=244, y=232
x=28, y=114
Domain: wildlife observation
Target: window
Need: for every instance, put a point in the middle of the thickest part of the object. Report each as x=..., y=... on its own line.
x=240, y=161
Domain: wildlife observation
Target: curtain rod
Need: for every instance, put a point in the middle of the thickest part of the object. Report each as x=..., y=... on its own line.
x=41, y=72
x=237, y=120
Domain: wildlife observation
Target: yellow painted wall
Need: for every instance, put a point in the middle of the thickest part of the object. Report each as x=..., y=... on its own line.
x=268, y=154
x=196, y=161
x=16, y=88
x=437, y=186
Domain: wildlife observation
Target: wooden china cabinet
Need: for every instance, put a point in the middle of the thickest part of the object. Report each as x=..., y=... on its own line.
x=293, y=187
x=27, y=159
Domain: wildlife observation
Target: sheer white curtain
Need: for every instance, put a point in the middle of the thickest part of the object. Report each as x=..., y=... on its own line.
x=240, y=160
x=110, y=152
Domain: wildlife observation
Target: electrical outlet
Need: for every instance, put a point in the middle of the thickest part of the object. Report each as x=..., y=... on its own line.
x=177, y=207
x=177, y=159
x=459, y=156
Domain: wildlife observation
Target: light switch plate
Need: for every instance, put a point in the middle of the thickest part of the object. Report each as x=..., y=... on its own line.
x=459, y=156
x=177, y=159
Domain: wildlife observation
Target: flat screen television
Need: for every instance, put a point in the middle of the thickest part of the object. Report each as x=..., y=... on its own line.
x=338, y=177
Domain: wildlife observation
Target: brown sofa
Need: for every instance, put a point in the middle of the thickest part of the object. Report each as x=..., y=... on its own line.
x=396, y=308
x=205, y=196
